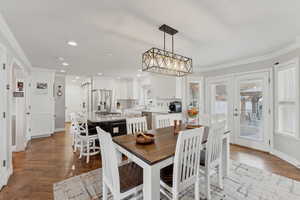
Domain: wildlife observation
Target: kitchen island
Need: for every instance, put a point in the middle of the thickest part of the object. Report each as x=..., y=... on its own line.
x=115, y=123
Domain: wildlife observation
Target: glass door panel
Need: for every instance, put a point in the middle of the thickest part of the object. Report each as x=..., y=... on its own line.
x=219, y=100
x=251, y=113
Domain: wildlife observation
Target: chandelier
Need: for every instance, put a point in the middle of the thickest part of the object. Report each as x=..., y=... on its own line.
x=166, y=62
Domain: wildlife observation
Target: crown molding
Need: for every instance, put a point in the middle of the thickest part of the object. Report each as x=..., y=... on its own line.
x=272, y=55
x=9, y=36
x=38, y=69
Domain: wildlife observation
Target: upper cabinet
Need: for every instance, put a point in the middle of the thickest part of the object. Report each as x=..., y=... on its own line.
x=163, y=87
x=127, y=89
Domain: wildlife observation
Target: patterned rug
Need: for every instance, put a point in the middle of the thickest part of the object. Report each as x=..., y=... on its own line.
x=243, y=183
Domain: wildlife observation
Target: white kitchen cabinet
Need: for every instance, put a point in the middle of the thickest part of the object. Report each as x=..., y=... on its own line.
x=127, y=89
x=163, y=87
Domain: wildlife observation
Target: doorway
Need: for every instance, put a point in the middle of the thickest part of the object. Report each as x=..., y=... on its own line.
x=251, y=110
x=245, y=101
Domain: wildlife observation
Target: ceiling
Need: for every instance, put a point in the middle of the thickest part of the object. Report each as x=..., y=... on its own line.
x=112, y=35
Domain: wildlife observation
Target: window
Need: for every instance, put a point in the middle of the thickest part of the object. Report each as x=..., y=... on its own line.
x=287, y=98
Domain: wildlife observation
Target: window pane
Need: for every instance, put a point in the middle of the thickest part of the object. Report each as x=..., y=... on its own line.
x=287, y=119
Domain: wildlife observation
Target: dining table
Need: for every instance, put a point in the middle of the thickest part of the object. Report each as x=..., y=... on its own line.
x=153, y=157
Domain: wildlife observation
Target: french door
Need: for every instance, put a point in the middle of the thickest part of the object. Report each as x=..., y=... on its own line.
x=251, y=110
x=219, y=99
x=245, y=101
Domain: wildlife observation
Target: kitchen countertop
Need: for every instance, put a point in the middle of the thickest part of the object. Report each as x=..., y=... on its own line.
x=94, y=118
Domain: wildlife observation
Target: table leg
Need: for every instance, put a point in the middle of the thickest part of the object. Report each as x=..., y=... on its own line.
x=119, y=156
x=226, y=156
x=151, y=187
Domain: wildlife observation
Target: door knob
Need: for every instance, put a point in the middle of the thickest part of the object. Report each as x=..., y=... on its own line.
x=28, y=113
x=235, y=114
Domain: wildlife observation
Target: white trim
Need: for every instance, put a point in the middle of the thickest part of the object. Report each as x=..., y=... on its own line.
x=4, y=28
x=37, y=69
x=286, y=158
x=41, y=135
x=59, y=130
x=4, y=176
x=273, y=54
x=13, y=148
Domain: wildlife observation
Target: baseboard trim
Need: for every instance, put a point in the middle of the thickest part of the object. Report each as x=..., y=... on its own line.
x=4, y=176
x=41, y=136
x=286, y=158
x=59, y=130
x=14, y=148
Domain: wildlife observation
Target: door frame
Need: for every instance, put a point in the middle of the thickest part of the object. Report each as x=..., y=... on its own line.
x=266, y=145
x=230, y=77
x=5, y=152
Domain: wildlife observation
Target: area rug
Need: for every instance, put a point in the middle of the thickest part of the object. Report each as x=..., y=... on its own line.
x=243, y=183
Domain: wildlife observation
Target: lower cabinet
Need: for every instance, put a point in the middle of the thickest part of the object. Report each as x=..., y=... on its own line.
x=115, y=128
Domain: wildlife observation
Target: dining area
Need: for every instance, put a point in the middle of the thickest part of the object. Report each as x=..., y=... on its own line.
x=160, y=163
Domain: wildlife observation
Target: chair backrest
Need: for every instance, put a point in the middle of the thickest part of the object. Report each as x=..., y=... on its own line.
x=187, y=158
x=110, y=171
x=214, y=143
x=135, y=125
x=80, y=126
x=73, y=117
x=162, y=121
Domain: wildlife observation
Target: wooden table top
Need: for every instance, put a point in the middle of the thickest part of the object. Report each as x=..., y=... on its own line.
x=163, y=147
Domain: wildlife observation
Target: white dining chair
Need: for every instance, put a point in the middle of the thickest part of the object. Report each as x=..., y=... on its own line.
x=85, y=140
x=72, y=129
x=121, y=181
x=184, y=173
x=162, y=121
x=135, y=125
x=211, y=158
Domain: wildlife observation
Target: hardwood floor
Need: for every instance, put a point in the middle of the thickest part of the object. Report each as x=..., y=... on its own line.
x=49, y=160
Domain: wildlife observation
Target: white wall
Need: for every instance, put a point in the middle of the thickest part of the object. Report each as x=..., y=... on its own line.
x=287, y=146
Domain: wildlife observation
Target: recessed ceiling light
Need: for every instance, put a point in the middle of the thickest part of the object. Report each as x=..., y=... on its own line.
x=100, y=74
x=62, y=71
x=77, y=77
x=72, y=43
x=138, y=75
x=65, y=64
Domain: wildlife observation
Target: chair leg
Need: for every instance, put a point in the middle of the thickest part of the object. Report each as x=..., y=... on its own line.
x=81, y=149
x=88, y=151
x=207, y=186
x=175, y=196
x=74, y=143
x=104, y=191
x=220, y=176
x=197, y=189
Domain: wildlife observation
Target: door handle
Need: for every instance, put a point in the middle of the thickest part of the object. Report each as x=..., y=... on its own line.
x=28, y=113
